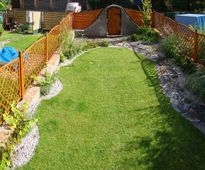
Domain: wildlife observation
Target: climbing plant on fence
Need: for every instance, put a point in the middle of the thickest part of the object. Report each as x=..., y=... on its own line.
x=17, y=76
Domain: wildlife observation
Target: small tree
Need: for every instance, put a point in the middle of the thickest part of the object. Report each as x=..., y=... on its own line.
x=147, y=11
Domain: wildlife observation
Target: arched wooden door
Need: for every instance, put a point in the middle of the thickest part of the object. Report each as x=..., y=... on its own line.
x=114, y=21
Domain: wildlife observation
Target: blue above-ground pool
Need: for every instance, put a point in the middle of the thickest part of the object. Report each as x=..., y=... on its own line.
x=194, y=20
x=8, y=54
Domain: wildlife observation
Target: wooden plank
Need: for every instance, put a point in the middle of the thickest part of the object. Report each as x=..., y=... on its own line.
x=84, y=19
x=135, y=15
x=51, y=19
x=114, y=21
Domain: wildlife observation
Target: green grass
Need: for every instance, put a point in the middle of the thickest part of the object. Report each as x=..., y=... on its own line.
x=19, y=41
x=9, y=36
x=24, y=41
x=112, y=114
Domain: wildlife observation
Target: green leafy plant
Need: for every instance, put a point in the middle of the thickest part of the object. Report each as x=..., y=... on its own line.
x=46, y=82
x=196, y=83
x=145, y=34
x=147, y=11
x=62, y=57
x=17, y=120
x=103, y=43
x=173, y=47
x=66, y=39
x=23, y=28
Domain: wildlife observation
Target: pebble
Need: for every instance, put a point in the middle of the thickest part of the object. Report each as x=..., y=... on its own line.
x=24, y=152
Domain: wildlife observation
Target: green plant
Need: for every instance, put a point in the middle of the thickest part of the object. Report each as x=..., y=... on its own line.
x=46, y=82
x=23, y=28
x=147, y=11
x=89, y=45
x=62, y=57
x=196, y=83
x=1, y=30
x=201, y=51
x=66, y=39
x=17, y=120
x=103, y=43
x=145, y=34
x=173, y=47
x=72, y=50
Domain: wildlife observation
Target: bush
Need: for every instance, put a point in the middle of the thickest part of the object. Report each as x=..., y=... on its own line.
x=23, y=28
x=89, y=45
x=172, y=47
x=62, y=57
x=145, y=34
x=196, y=83
x=46, y=82
x=103, y=44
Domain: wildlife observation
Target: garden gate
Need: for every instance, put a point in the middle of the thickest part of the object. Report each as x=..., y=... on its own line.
x=114, y=21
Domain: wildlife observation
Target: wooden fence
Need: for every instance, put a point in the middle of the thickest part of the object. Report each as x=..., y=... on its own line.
x=17, y=76
x=84, y=19
x=192, y=43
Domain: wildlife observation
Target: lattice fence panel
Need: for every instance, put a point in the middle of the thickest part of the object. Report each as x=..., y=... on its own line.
x=187, y=37
x=53, y=40
x=164, y=25
x=34, y=61
x=9, y=86
x=201, y=49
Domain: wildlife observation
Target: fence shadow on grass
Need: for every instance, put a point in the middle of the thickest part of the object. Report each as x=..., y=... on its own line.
x=179, y=146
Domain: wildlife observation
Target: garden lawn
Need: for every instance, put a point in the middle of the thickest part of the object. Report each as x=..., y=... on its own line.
x=112, y=114
x=24, y=41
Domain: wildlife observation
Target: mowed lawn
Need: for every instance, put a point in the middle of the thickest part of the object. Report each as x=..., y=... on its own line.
x=112, y=114
x=24, y=41
x=19, y=41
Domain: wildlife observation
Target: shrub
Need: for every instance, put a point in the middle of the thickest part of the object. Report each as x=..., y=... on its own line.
x=147, y=11
x=62, y=57
x=103, y=43
x=145, y=34
x=89, y=45
x=66, y=40
x=23, y=28
x=196, y=83
x=201, y=51
x=46, y=82
x=172, y=47
x=72, y=50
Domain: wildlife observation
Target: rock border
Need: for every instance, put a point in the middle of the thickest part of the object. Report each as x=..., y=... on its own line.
x=25, y=151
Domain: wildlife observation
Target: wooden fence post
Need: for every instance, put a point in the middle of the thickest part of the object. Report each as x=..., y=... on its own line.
x=21, y=76
x=196, y=45
x=153, y=19
x=46, y=49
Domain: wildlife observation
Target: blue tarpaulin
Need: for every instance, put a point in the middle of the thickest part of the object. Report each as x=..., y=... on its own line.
x=8, y=54
x=194, y=20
